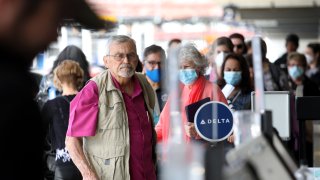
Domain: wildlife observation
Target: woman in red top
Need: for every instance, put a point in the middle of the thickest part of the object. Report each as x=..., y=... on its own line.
x=194, y=88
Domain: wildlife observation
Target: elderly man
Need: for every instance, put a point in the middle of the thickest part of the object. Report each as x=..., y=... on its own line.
x=153, y=56
x=110, y=133
x=26, y=28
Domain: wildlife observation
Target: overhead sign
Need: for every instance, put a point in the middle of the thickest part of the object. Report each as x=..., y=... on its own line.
x=214, y=121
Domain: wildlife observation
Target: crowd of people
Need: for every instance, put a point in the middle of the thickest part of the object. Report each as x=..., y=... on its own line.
x=108, y=126
x=131, y=110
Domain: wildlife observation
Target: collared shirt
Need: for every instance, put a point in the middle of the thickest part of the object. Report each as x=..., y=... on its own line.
x=140, y=128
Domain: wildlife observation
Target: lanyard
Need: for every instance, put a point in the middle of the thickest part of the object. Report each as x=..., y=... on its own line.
x=235, y=97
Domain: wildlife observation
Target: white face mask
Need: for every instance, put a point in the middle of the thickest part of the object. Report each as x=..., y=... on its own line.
x=209, y=69
x=309, y=58
x=219, y=59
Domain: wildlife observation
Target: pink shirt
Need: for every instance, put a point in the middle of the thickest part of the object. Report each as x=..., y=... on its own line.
x=83, y=120
x=163, y=126
x=84, y=110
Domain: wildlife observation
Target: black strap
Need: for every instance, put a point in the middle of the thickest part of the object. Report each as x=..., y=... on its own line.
x=65, y=98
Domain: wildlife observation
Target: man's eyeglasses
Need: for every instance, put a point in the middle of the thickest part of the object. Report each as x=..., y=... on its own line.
x=239, y=46
x=154, y=63
x=121, y=57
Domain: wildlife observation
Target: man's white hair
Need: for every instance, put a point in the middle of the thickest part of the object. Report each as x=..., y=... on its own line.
x=119, y=39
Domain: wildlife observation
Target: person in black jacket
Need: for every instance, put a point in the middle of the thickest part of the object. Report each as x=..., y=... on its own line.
x=292, y=44
x=301, y=86
x=274, y=78
x=26, y=28
x=68, y=78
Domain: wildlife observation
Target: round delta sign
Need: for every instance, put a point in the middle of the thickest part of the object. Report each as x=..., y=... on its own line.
x=214, y=121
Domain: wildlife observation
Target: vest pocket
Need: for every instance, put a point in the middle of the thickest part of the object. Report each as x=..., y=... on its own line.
x=112, y=167
x=111, y=116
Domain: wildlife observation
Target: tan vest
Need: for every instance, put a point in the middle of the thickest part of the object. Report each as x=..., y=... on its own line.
x=109, y=150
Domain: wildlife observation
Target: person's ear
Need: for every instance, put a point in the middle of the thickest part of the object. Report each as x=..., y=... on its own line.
x=106, y=61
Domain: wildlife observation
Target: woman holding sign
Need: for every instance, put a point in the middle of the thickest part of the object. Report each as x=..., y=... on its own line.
x=235, y=82
x=194, y=88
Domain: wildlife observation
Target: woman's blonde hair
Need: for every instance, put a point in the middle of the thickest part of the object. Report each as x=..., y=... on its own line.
x=68, y=72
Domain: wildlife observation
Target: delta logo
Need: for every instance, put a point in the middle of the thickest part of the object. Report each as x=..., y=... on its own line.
x=215, y=121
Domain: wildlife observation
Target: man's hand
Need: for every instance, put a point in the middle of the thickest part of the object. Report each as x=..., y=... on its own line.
x=90, y=176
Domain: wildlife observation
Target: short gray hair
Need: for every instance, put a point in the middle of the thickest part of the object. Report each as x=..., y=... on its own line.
x=119, y=39
x=189, y=53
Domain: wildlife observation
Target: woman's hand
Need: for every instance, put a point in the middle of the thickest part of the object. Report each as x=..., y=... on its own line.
x=190, y=130
x=231, y=138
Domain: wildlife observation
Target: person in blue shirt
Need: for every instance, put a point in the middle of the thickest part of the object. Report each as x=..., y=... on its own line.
x=235, y=74
x=153, y=57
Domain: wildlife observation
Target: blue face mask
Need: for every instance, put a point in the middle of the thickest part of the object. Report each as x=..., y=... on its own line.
x=295, y=72
x=232, y=77
x=188, y=76
x=154, y=75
